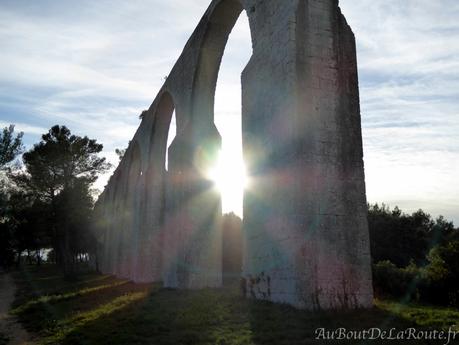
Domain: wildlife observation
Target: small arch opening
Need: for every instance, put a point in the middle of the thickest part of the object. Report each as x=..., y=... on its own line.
x=172, y=133
x=163, y=133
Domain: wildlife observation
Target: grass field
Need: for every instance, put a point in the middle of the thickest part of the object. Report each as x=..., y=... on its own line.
x=97, y=309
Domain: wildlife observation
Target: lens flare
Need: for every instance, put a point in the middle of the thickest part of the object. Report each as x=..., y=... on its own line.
x=230, y=178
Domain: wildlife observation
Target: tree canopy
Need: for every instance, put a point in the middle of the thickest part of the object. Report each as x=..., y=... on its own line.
x=402, y=238
x=59, y=171
x=60, y=159
x=10, y=145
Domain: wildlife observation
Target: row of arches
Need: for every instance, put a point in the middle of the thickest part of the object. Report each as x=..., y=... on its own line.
x=305, y=233
x=146, y=202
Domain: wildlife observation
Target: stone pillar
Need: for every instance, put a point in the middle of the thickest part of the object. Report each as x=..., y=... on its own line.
x=305, y=227
x=193, y=230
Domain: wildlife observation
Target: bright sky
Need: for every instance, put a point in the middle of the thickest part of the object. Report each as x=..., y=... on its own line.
x=95, y=65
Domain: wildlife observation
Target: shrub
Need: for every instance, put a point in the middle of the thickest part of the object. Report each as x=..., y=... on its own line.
x=441, y=275
x=392, y=281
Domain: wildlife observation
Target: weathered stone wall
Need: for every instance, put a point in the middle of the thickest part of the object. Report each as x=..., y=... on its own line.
x=305, y=229
x=305, y=218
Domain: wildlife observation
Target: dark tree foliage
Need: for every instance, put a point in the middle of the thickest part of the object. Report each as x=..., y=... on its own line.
x=10, y=146
x=441, y=276
x=73, y=209
x=28, y=220
x=437, y=282
x=414, y=256
x=59, y=159
x=402, y=238
x=392, y=281
x=121, y=152
x=59, y=172
x=24, y=227
x=7, y=252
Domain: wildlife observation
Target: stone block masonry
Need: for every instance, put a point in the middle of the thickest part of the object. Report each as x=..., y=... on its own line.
x=305, y=231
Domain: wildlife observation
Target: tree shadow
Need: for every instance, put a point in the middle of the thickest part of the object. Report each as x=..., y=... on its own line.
x=36, y=282
x=41, y=304
x=282, y=324
x=105, y=310
x=222, y=317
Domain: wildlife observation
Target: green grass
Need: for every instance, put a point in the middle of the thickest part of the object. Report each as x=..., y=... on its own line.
x=422, y=315
x=99, y=309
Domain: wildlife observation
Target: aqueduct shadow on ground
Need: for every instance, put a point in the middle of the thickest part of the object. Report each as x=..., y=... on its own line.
x=104, y=310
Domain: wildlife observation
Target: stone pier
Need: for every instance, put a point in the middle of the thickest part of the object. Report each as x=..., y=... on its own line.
x=305, y=231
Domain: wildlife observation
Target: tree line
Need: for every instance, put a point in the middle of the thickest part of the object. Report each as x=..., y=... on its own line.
x=46, y=199
x=414, y=256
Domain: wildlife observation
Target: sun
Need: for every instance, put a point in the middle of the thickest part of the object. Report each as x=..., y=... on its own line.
x=230, y=178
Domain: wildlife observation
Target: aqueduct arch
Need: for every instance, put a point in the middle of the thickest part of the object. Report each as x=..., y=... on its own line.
x=305, y=228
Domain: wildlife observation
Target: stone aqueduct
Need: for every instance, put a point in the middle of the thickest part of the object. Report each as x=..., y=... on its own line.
x=306, y=240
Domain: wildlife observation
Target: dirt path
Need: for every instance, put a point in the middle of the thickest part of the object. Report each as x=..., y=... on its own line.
x=9, y=326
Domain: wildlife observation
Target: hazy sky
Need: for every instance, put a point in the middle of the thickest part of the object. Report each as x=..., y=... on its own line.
x=95, y=65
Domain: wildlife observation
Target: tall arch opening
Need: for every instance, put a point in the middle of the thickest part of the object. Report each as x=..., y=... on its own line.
x=230, y=175
x=163, y=133
x=194, y=154
x=226, y=52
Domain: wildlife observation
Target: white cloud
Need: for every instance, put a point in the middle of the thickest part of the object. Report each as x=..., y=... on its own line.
x=24, y=127
x=409, y=78
x=95, y=65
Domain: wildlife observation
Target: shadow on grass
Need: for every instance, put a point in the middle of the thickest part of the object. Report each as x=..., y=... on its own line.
x=104, y=310
x=47, y=280
x=57, y=297
x=41, y=304
x=220, y=317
